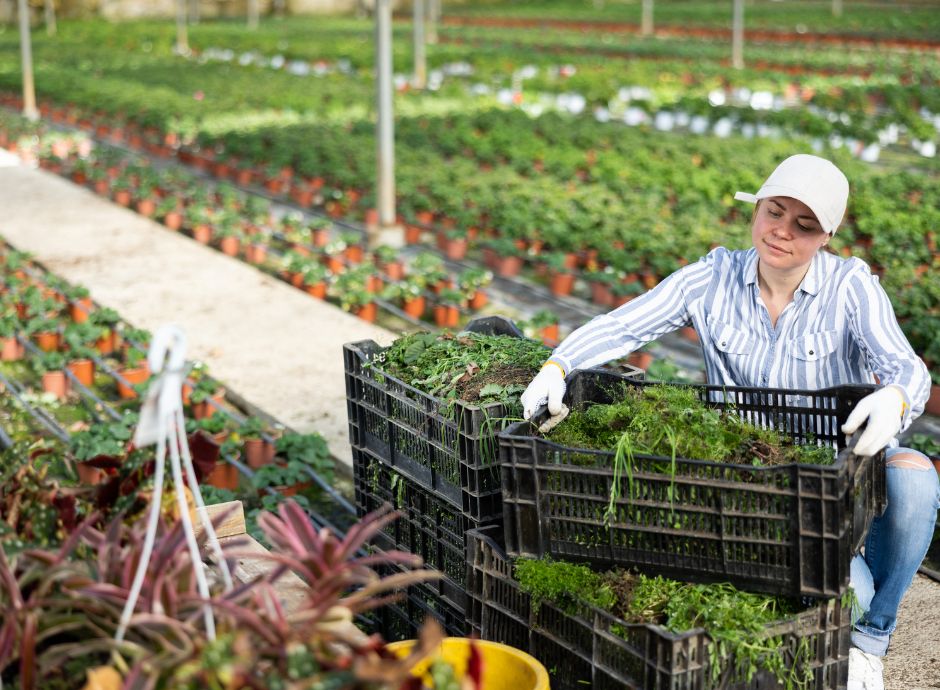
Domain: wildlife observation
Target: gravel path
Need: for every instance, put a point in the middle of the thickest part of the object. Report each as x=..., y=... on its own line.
x=275, y=346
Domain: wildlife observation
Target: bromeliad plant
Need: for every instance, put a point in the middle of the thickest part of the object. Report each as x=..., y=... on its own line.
x=63, y=607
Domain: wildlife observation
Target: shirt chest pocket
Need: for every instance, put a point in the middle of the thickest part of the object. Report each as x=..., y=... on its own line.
x=812, y=347
x=730, y=340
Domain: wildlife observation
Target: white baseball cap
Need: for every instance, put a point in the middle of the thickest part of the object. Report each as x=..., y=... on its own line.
x=816, y=182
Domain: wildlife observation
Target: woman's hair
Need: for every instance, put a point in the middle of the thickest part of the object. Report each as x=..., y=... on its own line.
x=754, y=212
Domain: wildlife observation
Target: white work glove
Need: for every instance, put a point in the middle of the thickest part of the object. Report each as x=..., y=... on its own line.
x=884, y=409
x=547, y=386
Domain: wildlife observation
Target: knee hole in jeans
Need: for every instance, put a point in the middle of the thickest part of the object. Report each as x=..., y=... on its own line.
x=910, y=461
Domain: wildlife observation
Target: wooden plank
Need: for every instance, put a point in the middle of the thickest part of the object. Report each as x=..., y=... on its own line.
x=291, y=590
x=232, y=525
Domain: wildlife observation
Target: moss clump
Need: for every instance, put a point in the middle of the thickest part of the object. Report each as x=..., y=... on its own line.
x=563, y=584
x=673, y=421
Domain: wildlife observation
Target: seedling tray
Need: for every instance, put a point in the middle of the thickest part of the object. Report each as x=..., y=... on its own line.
x=788, y=529
x=453, y=455
x=590, y=648
x=428, y=527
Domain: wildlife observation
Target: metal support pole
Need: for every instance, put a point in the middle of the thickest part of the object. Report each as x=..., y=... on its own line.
x=737, y=35
x=182, y=37
x=836, y=8
x=253, y=14
x=26, y=50
x=420, y=79
x=646, y=26
x=434, y=17
x=385, y=132
x=49, y=12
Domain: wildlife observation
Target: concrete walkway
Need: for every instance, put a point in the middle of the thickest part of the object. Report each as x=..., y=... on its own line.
x=275, y=346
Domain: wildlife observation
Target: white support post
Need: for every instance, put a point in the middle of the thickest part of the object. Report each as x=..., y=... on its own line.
x=26, y=51
x=194, y=11
x=182, y=33
x=737, y=35
x=836, y=8
x=385, y=134
x=434, y=17
x=420, y=78
x=646, y=27
x=49, y=13
x=253, y=14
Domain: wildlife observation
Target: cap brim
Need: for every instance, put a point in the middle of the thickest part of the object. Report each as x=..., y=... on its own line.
x=744, y=196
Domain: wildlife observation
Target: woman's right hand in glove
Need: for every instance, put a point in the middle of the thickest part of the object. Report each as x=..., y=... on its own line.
x=548, y=386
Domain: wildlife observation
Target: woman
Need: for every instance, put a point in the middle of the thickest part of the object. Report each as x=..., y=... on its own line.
x=785, y=314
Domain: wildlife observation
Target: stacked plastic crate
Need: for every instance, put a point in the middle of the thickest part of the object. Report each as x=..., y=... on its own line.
x=787, y=530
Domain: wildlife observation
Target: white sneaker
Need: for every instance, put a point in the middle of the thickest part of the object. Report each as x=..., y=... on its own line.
x=865, y=671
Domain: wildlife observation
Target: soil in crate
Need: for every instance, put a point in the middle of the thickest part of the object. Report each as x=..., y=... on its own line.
x=786, y=529
x=587, y=646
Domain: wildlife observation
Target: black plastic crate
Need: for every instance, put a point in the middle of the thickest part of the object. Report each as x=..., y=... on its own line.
x=403, y=619
x=455, y=456
x=593, y=649
x=787, y=529
x=428, y=527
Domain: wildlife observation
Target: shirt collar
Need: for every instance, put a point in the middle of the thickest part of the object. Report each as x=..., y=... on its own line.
x=812, y=281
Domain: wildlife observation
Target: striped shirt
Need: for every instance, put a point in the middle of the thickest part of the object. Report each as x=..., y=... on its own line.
x=839, y=329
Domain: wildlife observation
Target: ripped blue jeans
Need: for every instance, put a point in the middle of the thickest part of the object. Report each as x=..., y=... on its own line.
x=894, y=549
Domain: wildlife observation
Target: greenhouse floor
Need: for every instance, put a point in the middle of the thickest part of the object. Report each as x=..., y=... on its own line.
x=272, y=344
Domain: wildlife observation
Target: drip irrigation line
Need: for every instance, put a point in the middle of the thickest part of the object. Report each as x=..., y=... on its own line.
x=5, y=441
x=38, y=414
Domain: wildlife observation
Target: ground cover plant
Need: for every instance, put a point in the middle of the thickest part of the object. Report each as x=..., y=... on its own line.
x=735, y=621
x=471, y=367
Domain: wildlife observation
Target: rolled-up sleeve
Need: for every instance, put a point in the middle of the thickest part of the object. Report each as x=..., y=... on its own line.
x=663, y=309
x=890, y=355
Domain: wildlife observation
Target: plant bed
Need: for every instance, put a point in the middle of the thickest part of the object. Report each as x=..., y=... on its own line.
x=786, y=529
x=583, y=645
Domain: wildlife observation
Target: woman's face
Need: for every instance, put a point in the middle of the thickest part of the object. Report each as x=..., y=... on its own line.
x=786, y=233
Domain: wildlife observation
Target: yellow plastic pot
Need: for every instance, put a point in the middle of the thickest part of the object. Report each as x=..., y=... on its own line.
x=504, y=667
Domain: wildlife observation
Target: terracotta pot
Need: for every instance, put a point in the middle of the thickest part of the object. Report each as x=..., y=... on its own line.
x=561, y=284
x=334, y=264
x=549, y=334
x=374, y=284
x=132, y=376
x=101, y=187
x=601, y=294
x=12, y=350
x=107, y=344
x=641, y=359
x=55, y=382
x=395, y=270
x=274, y=186
x=229, y=246
x=688, y=332
x=223, y=476
x=122, y=197
x=317, y=290
x=146, y=207
x=321, y=237
x=256, y=253
x=479, y=300
x=414, y=307
x=372, y=217
x=424, y=217
x=80, y=309
x=353, y=254
x=446, y=315
x=258, y=452
x=367, y=312
x=205, y=409
x=456, y=249
x=508, y=266
x=933, y=402
x=303, y=196
x=173, y=220
x=412, y=234
x=88, y=475
x=202, y=234
x=243, y=177
x=296, y=280
x=83, y=370
x=48, y=341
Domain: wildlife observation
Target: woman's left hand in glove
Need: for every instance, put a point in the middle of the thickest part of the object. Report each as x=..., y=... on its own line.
x=884, y=409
